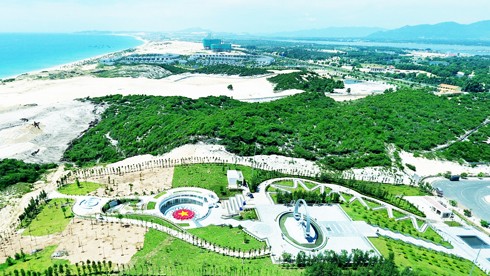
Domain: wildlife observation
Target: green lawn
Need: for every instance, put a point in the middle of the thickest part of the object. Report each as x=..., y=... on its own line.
x=51, y=219
x=380, y=218
x=151, y=205
x=84, y=189
x=285, y=183
x=38, y=262
x=152, y=219
x=208, y=176
x=397, y=214
x=228, y=237
x=453, y=223
x=347, y=196
x=405, y=190
x=160, y=194
x=423, y=261
x=371, y=204
x=162, y=252
x=310, y=185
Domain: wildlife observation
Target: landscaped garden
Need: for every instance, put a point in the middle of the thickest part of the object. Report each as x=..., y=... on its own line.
x=53, y=218
x=380, y=218
x=424, y=261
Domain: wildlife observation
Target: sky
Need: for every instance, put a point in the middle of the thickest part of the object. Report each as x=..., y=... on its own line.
x=251, y=16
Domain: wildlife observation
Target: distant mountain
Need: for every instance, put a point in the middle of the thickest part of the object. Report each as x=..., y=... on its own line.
x=332, y=32
x=443, y=31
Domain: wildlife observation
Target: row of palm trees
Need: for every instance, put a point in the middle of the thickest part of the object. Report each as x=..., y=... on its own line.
x=168, y=163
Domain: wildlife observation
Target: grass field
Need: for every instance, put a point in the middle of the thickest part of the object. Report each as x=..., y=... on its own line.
x=38, y=262
x=285, y=183
x=453, y=223
x=51, y=219
x=152, y=219
x=310, y=185
x=371, y=204
x=423, y=261
x=404, y=190
x=151, y=205
x=162, y=252
x=227, y=237
x=380, y=218
x=84, y=189
x=208, y=176
x=160, y=194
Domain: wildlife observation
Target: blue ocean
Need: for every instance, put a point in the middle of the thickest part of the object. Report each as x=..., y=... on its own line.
x=22, y=53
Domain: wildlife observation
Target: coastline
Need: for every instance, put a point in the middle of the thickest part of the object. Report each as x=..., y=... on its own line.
x=65, y=66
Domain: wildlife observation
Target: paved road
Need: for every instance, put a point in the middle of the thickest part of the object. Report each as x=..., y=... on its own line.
x=469, y=193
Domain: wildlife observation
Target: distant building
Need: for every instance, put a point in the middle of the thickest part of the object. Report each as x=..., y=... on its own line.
x=207, y=42
x=230, y=59
x=145, y=59
x=151, y=58
x=438, y=208
x=235, y=178
x=448, y=89
x=223, y=47
x=460, y=74
x=216, y=45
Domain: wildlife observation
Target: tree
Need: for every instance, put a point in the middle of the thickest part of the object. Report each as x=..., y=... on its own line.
x=484, y=223
x=78, y=183
x=63, y=208
x=230, y=87
x=287, y=257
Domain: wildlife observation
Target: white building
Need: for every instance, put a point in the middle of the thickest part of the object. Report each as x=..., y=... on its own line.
x=234, y=178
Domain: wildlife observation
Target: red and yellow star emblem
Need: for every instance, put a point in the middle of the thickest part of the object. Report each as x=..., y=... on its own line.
x=184, y=214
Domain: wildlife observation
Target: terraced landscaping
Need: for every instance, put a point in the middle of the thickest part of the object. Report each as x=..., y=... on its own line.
x=424, y=261
x=380, y=218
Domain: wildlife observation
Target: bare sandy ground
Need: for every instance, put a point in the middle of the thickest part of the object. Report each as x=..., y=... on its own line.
x=150, y=181
x=101, y=241
x=83, y=240
x=59, y=124
x=198, y=153
x=427, y=167
x=188, y=85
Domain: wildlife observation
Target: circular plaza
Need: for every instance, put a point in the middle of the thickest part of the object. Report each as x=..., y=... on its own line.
x=185, y=204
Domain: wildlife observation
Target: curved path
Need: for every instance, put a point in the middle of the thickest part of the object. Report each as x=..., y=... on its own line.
x=189, y=238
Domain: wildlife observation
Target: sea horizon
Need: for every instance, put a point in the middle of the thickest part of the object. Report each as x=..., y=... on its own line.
x=23, y=53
